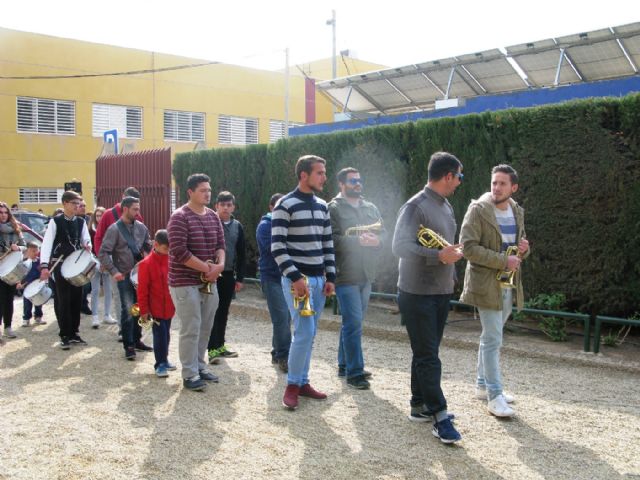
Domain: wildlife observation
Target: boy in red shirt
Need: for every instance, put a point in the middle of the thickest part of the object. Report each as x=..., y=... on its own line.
x=154, y=299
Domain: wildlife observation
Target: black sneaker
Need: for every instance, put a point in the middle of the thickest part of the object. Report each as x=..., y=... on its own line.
x=86, y=311
x=342, y=372
x=358, y=382
x=130, y=353
x=64, y=343
x=207, y=376
x=141, y=347
x=194, y=384
x=76, y=340
x=283, y=365
x=424, y=417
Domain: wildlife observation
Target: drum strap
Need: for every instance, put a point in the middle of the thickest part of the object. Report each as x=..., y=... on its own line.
x=124, y=231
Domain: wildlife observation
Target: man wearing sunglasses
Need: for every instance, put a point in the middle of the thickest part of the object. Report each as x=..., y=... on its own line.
x=492, y=224
x=425, y=285
x=356, y=248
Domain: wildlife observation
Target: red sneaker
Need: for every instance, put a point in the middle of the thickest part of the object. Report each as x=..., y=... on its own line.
x=308, y=391
x=290, y=399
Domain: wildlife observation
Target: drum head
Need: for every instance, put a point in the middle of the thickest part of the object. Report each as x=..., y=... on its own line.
x=9, y=262
x=134, y=275
x=34, y=288
x=75, y=263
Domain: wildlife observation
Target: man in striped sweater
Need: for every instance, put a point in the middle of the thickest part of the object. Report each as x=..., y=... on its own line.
x=302, y=246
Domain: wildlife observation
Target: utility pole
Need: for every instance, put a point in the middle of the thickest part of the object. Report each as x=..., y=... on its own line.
x=286, y=93
x=332, y=22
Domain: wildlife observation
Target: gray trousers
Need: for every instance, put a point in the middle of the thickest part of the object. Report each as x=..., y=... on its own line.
x=196, y=311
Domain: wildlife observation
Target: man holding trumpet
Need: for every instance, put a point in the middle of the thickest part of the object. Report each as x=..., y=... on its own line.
x=302, y=247
x=356, y=226
x=425, y=285
x=494, y=244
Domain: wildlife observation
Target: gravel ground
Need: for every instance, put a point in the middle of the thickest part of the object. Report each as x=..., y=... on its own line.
x=89, y=414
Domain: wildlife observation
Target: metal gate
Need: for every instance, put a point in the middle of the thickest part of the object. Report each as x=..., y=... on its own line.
x=149, y=171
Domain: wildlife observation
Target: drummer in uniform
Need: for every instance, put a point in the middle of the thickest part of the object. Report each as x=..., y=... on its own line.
x=65, y=234
x=124, y=245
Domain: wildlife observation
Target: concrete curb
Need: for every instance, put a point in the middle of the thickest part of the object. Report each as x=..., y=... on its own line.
x=250, y=308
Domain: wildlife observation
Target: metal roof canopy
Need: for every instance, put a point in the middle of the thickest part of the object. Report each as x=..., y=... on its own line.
x=585, y=57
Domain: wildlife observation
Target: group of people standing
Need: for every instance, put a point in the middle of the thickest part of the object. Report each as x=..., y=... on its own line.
x=309, y=250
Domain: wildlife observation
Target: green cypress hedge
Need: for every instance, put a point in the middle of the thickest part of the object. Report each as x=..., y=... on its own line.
x=579, y=184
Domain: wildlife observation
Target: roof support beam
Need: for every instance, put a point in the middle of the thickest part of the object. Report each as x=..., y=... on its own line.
x=560, y=60
x=346, y=102
x=409, y=101
x=434, y=84
x=575, y=68
x=368, y=98
x=623, y=47
x=451, y=74
x=484, y=90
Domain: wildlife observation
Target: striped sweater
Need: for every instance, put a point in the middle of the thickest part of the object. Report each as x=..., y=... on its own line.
x=301, y=241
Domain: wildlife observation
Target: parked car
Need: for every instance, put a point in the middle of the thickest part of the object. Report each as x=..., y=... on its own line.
x=36, y=222
x=30, y=235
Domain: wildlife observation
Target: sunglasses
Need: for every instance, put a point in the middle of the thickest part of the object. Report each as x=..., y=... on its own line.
x=354, y=181
x=459, y=175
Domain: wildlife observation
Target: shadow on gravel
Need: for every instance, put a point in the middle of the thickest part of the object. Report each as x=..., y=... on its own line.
x=557, y=458
x=175, y=451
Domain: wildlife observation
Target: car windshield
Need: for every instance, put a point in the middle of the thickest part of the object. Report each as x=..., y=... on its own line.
x=37, y=224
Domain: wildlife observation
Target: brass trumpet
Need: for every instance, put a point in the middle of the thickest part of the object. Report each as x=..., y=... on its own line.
x=206, y=285
x=360, y=229
x=507, y=277
x=146, y=321
x=430, y=239
x=306, y=308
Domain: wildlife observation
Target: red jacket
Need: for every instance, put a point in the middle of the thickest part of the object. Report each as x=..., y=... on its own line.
x=153, y=287
x=106, y=221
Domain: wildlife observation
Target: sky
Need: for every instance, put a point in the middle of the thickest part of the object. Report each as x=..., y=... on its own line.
x=256, y=33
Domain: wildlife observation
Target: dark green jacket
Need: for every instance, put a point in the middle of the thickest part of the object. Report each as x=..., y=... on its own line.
x=354, y=263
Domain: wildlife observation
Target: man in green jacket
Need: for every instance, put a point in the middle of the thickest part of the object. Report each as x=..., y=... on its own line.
x=491, y=225
x=356, y=253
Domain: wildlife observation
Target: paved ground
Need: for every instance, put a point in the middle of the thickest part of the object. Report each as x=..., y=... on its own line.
x=88, y=413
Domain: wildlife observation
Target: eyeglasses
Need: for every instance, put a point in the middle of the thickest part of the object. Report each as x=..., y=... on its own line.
x=354, y=181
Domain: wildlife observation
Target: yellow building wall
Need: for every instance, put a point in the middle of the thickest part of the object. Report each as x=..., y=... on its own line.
x=33, y=160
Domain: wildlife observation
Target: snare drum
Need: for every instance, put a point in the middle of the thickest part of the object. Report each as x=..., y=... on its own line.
x=13, y=268
x=134, y=275
x=38, y=292
x=79, y=267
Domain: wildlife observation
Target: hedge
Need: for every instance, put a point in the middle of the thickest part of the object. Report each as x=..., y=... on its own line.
x=579, y=184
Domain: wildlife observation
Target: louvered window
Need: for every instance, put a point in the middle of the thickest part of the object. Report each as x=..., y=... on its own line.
x=126, y=120
x=237, y=130
x=40, y=195
x=277, y=130
x=41, y=115
x=183, y=126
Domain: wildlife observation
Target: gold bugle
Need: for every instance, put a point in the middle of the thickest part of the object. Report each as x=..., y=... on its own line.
x=507, y=277
x=360, y=229
x=306, y=308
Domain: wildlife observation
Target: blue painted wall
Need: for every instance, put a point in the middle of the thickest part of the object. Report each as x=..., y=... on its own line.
x=528, y=98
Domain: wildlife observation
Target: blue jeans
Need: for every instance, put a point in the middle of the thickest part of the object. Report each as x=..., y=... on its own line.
x=161, y=338
x=131, y=331
x=490, y=342
x=280, y=318
x=353, y=301
x=304, y=330
x=27, y=307
x=105, y=279
x=425, y=317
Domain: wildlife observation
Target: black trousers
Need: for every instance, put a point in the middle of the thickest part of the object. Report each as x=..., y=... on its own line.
x=226, y=286
x=7, y=292
x=67, y=303
x=425, y=317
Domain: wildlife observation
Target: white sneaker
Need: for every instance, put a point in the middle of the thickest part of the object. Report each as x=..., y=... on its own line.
x=25, y=323
x=95, y=322
x=498, y=407
x=8, y=332
x=109, y=320
x=481, y=394
x=39, y=321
